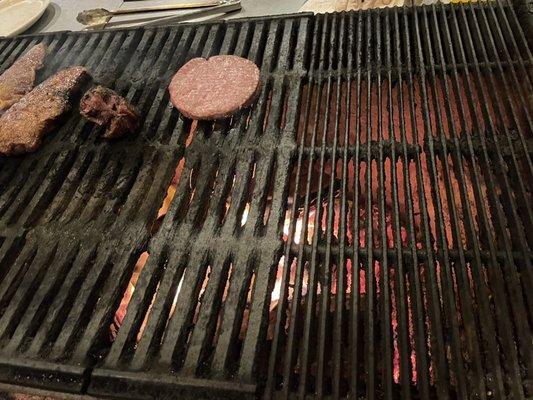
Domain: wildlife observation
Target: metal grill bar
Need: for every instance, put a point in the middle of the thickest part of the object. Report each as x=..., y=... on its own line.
x=422, y=362
x=212, y=278
x=400, y=284
x=439, y=297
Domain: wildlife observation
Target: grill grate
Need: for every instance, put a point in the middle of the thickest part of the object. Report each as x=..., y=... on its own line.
x=361, y=231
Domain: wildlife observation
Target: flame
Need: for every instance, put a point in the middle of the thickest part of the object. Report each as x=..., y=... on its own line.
x=175, y=300
x=277, y=287
x=245, y=213
x=143, y=258
x=298, y=229
x=120, y=314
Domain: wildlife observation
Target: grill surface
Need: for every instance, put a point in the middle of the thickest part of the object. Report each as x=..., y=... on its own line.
x=362, y=231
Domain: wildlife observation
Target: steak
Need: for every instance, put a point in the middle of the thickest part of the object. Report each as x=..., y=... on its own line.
x=214, y=88
x=105, y=107
x=19, y=79
x=24, y=125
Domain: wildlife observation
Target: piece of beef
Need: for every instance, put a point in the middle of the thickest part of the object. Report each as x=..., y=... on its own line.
x=103, y=106
x=24, y=125
x=214, y=88
x=19, y=79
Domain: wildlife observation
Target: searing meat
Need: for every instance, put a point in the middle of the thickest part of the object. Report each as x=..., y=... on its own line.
x=24, y=125
x=19, y=79
x=214, y=88
x=103, y=106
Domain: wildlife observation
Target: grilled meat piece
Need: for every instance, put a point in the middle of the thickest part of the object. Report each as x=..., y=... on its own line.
x=24, y=125
x=103, y=106
x=19, y=79
x=214, y=88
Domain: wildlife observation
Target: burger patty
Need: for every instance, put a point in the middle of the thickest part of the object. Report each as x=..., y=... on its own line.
x=19, y=79
x=24, y=125
x=214, y=88
x=103, y=106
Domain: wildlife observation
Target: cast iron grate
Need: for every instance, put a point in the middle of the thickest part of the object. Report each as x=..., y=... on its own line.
x=361, y=231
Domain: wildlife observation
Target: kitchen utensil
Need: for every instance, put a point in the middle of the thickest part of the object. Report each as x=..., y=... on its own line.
x=100, y=16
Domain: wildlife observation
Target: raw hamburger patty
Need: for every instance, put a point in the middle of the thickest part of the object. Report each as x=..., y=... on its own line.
x=19, y=79
x=103, y=106
x=23, y=126
x=214, y=88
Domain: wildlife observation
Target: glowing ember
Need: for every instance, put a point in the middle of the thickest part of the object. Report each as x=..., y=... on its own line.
x=360, y=271
x=120, y=314
x=166, y=202
x=306, y=233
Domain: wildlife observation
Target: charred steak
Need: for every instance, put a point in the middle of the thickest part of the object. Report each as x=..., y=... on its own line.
x=24, y=125
x=19, y=79
x=105, y=107
x=214, y=88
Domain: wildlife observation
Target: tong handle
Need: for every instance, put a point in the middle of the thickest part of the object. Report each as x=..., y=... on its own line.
x=226, y=7
x=179, y=6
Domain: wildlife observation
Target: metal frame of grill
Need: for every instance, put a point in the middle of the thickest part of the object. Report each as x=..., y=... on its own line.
x=381, y=186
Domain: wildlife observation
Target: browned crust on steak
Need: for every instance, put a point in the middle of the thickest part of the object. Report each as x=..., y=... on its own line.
x=19, y=79
x=24, y=125
x=214, y=88
x=105, y=107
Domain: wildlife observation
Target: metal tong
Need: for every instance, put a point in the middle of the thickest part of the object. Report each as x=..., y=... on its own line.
x=99, y=17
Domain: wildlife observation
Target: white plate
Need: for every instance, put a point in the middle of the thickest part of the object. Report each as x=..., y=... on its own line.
x=18, y=15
